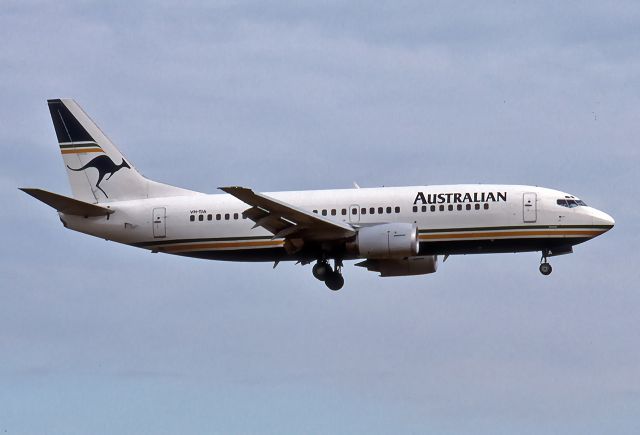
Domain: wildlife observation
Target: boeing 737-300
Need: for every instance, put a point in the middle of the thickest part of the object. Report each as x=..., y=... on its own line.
x=395, y=231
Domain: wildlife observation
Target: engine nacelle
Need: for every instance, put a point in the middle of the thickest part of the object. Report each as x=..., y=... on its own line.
x=395, y=240
x=403, y=266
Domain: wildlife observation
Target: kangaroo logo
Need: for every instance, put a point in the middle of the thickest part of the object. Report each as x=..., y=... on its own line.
x=105, y=166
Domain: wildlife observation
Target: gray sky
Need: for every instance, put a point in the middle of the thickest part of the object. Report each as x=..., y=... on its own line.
x=101, y=338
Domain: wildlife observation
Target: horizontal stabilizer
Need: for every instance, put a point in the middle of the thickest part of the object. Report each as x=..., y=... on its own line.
x=67, y=205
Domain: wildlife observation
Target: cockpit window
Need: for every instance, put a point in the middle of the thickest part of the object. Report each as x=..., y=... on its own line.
x=571, y=203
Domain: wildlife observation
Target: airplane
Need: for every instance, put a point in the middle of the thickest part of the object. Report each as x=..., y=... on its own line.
x=394, y=231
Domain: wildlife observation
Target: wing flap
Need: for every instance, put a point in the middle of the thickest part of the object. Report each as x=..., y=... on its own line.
x=67, y=205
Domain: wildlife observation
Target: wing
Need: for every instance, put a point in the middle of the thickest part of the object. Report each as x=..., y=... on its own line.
x=287, y=221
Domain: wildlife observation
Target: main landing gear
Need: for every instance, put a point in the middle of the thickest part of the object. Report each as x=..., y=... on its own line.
x=332, y=277
x=545, y=268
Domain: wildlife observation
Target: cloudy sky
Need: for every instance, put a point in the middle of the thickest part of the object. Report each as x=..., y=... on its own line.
x=103, y=339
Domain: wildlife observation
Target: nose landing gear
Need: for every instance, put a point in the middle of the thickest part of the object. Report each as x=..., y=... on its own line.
x=332, y=278
x=545, y=267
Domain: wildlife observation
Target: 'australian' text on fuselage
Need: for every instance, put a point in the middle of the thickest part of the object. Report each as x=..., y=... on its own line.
x=457, y=197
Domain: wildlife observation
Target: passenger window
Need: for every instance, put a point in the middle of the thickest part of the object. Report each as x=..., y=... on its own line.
x=315, y=211
x=450, y=207
x=486, y=206
x=372, y=210
x=324, y=212
x=477, y=206
x=388, y=209
x=200, y=217
x=333, y=212
x=459, y=207
x=424, y=208
x=380, y=210
x=218, y=216
x=192, y=218
x=397, y=210
x=209, y=217
x=344, y=211
x=363, y=210
x=415, y=208
x=354, y=211
x=226, y=216
x=468, y=207
x=235, y=216
x=433, y=208
x=441, y=207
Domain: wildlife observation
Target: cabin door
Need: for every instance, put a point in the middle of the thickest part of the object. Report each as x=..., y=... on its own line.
x=159, y=225
x=529, y=207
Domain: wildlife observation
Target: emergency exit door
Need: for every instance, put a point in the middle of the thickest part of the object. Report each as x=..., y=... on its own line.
x=159, y=225
x=529, y=207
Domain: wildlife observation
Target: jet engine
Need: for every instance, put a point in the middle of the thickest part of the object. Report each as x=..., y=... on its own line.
x=393, y=240
x=402, y=266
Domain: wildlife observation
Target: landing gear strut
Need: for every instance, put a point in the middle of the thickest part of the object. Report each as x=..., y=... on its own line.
x=331, y=277
x=545, y=268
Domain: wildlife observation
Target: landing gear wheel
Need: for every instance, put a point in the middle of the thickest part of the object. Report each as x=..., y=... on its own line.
x=321, y=270
x=545, y=269
x=334, y=281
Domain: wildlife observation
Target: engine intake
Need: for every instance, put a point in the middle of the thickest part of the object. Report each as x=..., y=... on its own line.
x=394, y=240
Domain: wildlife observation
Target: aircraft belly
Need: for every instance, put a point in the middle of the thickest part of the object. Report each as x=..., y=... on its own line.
x=496, y=246
x=249, y=255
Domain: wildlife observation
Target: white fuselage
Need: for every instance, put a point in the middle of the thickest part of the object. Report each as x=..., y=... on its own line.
x=451, y=219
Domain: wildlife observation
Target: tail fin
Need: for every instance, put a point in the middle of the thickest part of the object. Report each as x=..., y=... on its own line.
x=97, y=171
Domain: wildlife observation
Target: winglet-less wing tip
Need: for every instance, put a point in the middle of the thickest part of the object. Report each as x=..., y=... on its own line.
x=229, y=189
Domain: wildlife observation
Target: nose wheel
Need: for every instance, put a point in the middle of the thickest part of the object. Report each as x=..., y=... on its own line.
x=545, y=267
x=332, y=277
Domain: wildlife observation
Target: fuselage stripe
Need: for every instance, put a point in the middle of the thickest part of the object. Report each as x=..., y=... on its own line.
x=517, y=227
x=199, y=240
x=510, y=234
x=181, y=245
x=221, y=245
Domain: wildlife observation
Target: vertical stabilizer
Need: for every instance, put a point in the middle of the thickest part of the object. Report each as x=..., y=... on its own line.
x=97, y=171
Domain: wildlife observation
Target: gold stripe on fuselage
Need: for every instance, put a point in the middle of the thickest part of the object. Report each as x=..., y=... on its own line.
x=510, y=234
x=222, y=245
x=450, y=235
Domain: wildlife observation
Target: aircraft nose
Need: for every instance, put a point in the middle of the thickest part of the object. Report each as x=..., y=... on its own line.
x=601, y=218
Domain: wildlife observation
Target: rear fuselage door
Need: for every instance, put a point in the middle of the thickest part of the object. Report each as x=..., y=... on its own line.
x=159, y=224
x=529, y=207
